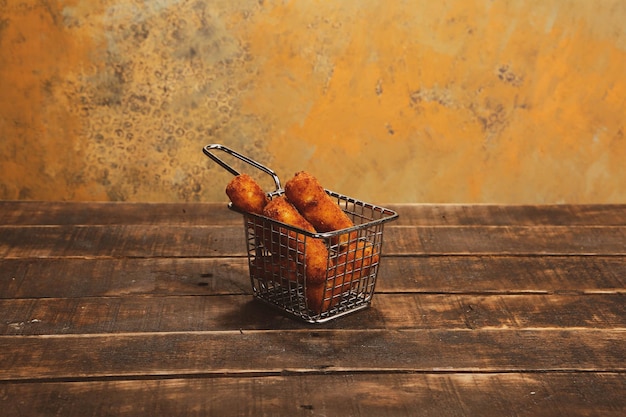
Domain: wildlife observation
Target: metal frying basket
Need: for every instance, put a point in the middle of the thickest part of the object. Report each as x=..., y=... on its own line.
x=277, y=255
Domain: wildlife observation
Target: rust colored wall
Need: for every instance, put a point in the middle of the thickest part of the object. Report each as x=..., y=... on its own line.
x=412, y=101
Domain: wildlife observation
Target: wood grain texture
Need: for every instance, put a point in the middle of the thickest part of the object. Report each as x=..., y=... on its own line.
x=94, y=213
x=33, y=278
x=146, y=309
x=505, y=240
x=114, y=213
x=510, y=215
x=213, y=241
x=349, y=395
x=219, y=353
x=124, y=314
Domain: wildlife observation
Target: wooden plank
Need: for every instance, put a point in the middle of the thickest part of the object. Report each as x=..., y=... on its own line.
x=310, y=350
x=504, y=240
x=510, y=215
x=384, y=395
x=121, y=241
x=115, y=213
x=77, y=277
x=100, y=213
x=389, y=311
x=210, y=241
x=503, y=274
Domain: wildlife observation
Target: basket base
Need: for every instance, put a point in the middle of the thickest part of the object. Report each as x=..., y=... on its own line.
x=350, y=304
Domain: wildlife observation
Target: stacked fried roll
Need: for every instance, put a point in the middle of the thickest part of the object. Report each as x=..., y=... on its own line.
x=331, y=267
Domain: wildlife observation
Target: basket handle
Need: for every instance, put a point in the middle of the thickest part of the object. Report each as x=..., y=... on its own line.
x=207, y=151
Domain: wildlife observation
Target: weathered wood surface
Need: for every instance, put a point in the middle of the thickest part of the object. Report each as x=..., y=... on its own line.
x=146, y=309
x=32, y=278
x=389, y=311
x=220, y=241
x=221, y=353
x=328, y=394
x=87, y=213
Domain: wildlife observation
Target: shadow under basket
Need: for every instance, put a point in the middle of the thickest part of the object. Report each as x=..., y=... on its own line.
x=278, y=253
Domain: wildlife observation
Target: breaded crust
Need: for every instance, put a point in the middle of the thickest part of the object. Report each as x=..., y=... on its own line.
x=246, y=194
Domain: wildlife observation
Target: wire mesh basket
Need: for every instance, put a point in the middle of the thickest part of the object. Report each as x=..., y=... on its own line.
x=277, y=256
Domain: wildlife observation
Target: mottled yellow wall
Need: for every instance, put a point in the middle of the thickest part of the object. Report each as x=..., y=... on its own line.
x=480, y=101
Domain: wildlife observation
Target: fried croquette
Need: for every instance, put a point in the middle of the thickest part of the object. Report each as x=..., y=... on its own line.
x=306, y=193
x=309, y=251
x=321, y=297
x=358, y=256
x=246, y=194
x=269, y=268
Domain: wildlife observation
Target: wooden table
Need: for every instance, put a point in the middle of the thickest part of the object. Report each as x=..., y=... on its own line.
x=146, y=309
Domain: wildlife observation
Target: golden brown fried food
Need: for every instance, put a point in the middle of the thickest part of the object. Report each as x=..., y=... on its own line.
x=308, y=251
x=269, y=268
x=246, y=194
x=358, y=256
x=355, y=257
x=282, y=210
x=321, y=297
x=344, y=275
x=306, y=193
x=315, y=298
x=306, y=206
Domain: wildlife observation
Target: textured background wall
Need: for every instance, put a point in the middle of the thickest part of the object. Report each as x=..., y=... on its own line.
x=512, y=101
